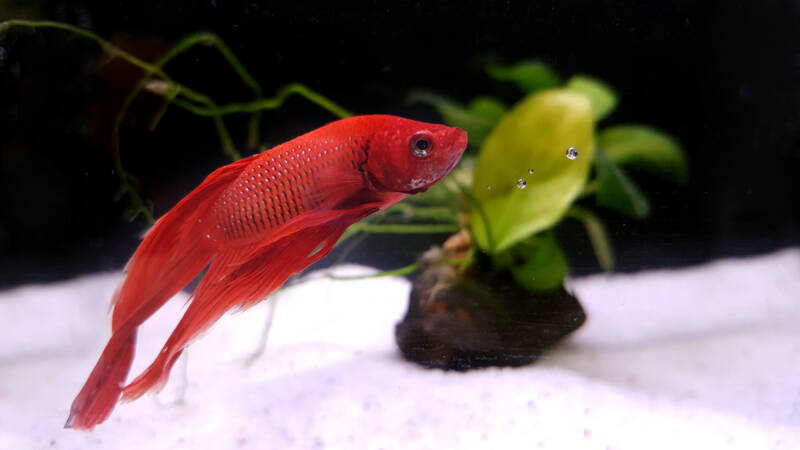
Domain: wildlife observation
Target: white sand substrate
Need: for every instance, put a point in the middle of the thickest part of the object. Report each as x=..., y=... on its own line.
x=704, y=357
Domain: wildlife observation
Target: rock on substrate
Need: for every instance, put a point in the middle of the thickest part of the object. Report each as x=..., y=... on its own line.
x=474, y=323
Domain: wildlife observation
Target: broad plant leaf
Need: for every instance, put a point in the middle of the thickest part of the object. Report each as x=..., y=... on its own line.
x=477, y=119
x=534, y=135
x=604, y=99
x=645, y=148
x=544, y=266
x=530, y=76
x=616, y=191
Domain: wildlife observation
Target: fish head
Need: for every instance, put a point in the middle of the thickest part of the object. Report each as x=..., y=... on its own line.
x=409, y=156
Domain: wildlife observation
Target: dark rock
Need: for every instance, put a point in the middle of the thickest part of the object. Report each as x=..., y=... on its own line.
x=478, y=321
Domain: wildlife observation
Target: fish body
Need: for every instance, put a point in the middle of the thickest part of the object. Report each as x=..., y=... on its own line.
x=253, y=224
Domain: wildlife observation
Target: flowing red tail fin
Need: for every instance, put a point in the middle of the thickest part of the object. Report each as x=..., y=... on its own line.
x=238, y=277
x=171, y=255
x=242, y=276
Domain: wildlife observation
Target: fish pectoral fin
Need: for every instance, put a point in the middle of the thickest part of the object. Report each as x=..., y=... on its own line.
x=329, y=219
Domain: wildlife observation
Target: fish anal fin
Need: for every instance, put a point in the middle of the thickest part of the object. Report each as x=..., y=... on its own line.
x=172, y=253
x=240, y=277
x=102, y=389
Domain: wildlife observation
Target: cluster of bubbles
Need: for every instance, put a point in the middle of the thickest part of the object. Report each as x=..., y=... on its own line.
x=572, y=153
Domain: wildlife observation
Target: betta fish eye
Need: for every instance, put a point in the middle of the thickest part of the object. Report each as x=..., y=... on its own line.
x=421, y=145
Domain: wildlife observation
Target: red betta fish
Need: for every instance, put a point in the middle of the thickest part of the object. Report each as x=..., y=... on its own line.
x=254, y=223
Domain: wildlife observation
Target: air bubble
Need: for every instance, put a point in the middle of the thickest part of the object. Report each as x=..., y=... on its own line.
x=572, y=153
x=530, y=171
x=521, y=183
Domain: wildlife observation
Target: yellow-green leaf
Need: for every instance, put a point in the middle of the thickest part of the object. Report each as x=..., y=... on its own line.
x=535, y=135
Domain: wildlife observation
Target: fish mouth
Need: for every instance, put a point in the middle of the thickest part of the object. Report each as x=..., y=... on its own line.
x=461, y=139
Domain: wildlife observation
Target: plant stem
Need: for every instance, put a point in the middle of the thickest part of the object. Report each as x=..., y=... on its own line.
x=404, y=228
x=268, y=103
x=597, y=235
x=588, y=189
x=439, y=213
x=107, y=46
x=238, y=67
x=206, y=106
x=481, y=212
x=389, y=273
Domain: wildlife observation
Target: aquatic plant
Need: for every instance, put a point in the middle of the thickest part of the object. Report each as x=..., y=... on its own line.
x=157, y=81
x=543, y=160
x=493, y=295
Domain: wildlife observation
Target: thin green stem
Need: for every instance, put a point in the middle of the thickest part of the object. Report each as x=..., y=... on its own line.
x=262, y=341
x=195, y=102
x=238, y=67
x=149, y=69
x=107, y=46
x=403, y=271
x=126, y=188
x=588, y=189
x=597, y=235
x=269, y=103
x=350, y=246
x=404, y=228
x=439, y=213
x=481, y=212
x=358, y=238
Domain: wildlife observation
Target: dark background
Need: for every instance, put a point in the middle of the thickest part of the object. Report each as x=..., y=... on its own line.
x=724, y=78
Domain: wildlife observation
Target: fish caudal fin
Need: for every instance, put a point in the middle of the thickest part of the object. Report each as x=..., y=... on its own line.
x=238, y=277
x=171, y=255
x=101, y=391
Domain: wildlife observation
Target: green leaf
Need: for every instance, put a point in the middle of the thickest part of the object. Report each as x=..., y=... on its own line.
x=477, y=119
x=645, y=148
x=544, y=266
x=530, y=76
x=488, y=108
x=534, y=135
x=601, y=243
x=616, y=191
x=603, y=98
